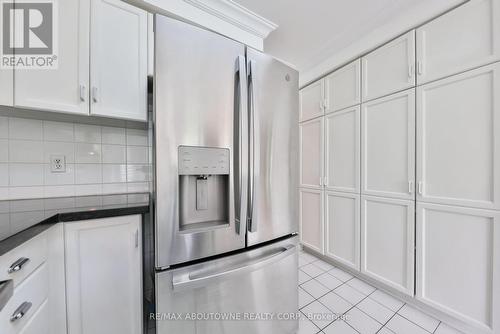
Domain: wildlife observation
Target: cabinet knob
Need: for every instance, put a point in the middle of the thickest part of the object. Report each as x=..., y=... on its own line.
x=95, y=94
x=18, y=265
x=20, y=311
x=83, y=91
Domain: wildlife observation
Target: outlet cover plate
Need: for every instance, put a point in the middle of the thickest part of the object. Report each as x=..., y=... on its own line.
x=58, y=163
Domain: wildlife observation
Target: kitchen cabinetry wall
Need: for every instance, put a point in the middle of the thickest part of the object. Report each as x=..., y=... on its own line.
x=6, y=87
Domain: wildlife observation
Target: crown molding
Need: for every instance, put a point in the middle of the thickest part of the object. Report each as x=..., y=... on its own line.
x=236, y=15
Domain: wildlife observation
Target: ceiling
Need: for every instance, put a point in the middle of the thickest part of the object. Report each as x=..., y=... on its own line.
x=310, y=31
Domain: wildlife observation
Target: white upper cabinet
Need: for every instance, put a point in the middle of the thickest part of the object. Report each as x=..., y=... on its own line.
x=311, y=219
x=390, y=68
x=388, y=146
x=387, y=241
x=66, y=88
x=343, y=150
x=312, y=100
x=311, y=153
x=343, y=87
x=458, y=267
x=6, y=87
x=458, y=139
x=466, y=37
x=119, y=59
x=342, y=228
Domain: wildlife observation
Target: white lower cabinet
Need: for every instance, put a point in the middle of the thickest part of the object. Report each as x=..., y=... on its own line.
x=311, y=219
x=387, y=241
x=104, y=276
x=342, y=230
x=458, y=263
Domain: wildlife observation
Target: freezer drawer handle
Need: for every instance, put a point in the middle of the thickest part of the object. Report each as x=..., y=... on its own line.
x=185, y=280
x=21, y=311
x=18, y=265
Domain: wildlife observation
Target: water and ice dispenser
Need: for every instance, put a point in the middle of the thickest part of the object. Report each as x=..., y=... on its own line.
x=203, y=187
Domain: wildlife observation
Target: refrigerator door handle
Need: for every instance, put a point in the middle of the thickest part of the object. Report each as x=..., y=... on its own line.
x=254, y=166
x=240, y=154
x=185, y=280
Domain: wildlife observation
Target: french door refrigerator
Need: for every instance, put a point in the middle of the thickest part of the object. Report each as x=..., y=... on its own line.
x=226, y=185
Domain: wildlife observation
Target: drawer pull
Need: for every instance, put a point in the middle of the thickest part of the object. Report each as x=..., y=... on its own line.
x=21, y=311
x=18, y=265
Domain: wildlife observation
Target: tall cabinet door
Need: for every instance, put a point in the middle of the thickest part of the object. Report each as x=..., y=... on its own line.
x=311, y=153
x=119, y=57
x=343, y=150
x=342, y=230
x=311, y=219
x=312, y=101
x=387, y=241
x=458, y=263
x=458, y=151
x=447, y=46
x=388, y=146
x=6, y=87
x=343, y=87
x=390, y=68
x=65, y=89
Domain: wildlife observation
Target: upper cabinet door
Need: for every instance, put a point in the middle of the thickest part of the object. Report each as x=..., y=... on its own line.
x=312, y=100
x=458, y=142
x=343, y=87
x=390, y=68
x=311, y=153
x=388, y=146
x=343, y=150
x=6, y=87
x=311, y=219
x=466, y=37
x=119, y=60
x=65, y=89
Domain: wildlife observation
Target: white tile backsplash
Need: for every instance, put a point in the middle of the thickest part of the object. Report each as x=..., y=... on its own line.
x=99, y=160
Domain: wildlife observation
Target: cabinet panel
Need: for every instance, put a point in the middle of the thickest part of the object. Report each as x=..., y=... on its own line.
x=387, y=241
x=119, y=60
x=458, y=151
x=343, y=87
x=6, y=87
x=388, y=146
x=311, y=153
x=311, y=219
x=343, y=150
x=107, y=251
x=466, y=37
x=458, y=267
x=342, y=230
x=64, y=89
x=311, y=100
x=390, y=68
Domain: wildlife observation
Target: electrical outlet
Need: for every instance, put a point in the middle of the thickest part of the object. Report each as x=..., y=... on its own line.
x=57, y=163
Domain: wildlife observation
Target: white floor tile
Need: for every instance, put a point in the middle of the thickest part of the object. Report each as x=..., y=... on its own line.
x=329, y=281
x=362, y=322
x=335, y=303
x=303, y=277
x=304, y=298
x=340, y=274
x=400, y=325
x=375, y=310
x=312, y=270
x=307, y=327
x=314, y=288
x=350, y=294
x=323, y=265
x=445, y=329
x=308, y=257
x=423, y=320
x=361, y=286
x=319, y=314
x=339, y=327
x=386, y=300
x=385, y=330
x=302, y=262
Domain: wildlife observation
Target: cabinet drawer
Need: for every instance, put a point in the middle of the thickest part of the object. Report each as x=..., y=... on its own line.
x=39, y=322
x=34, y=250
x=33, y=290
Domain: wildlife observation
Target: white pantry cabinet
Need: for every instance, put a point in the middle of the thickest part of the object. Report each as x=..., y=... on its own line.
x=387, y=241
x=6, y=87
x=343, y=87
x=311, y=153
x=458, y=139
x=312, y=100
x=342, y=158
x=119, y=58
x=390, y=68
x=104, y=275
x=458, y=263
x=311, y=219
x=342, y=228
x=388, y=146
x=466, y=37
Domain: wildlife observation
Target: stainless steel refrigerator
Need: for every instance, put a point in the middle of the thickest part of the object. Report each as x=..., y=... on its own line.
x=226, y=185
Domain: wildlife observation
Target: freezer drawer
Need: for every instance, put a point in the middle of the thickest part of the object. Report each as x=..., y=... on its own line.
x=255, y=291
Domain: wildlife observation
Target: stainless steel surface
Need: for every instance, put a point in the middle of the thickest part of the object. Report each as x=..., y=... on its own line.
x=21, y=311
x=18, y=265
x=259, y=281
x=6, y=292
x=274, y=91
x=200, y=100
x=254, y=145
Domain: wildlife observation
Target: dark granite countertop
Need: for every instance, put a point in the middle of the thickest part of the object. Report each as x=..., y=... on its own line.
x=21, y=220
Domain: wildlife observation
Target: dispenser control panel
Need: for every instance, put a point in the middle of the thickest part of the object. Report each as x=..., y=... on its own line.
x=195, y=160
